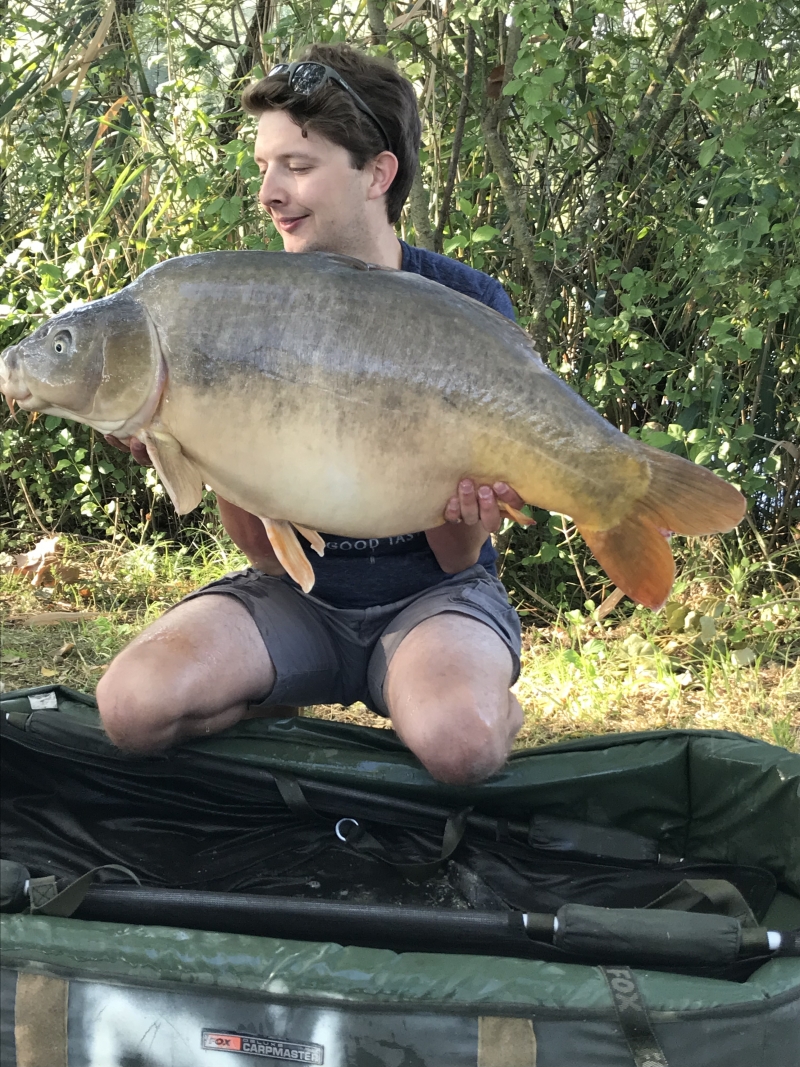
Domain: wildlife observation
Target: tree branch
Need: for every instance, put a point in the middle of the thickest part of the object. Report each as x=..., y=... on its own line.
x=226, y=129
x=515, y=197
x=419, y=209
x=377, y=21
x=458, y=137
x=587, y=220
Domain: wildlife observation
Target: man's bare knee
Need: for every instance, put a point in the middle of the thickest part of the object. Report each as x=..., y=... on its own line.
x=465, y=764
x=458, y=746
x=190, y=673
x=142, y=699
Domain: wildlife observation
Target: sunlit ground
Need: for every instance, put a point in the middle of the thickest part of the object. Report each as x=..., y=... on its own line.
x=707, y=664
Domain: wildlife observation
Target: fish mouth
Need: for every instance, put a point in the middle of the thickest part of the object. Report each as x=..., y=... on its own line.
x=15, y=393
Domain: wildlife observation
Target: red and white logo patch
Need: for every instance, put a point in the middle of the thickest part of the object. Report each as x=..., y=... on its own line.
x=271, y=1048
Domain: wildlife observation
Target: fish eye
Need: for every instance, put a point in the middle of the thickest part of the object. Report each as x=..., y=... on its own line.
x=62, y=342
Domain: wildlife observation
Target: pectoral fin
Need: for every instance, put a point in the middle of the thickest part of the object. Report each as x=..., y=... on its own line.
x=180, y=476
x=289, y=552
x=312, y=537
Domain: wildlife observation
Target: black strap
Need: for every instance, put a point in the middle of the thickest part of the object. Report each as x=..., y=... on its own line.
x=46, y=900
x=361, y=841
x=633, y=1019
x=294, y=798
x=715, y=895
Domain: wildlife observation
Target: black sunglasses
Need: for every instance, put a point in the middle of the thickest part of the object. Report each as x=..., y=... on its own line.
x=306, y=77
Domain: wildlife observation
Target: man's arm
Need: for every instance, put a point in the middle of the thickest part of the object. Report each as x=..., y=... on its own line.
x=470, y=516
x=248, y=534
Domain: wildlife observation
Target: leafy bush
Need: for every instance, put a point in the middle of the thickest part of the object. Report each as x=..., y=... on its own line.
x=630, y=174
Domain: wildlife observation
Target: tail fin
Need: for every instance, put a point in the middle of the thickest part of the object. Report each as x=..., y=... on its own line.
x=688, y=499
x=681, y=498
x=636, y=556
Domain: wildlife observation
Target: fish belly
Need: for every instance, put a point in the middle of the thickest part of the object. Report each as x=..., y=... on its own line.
x=341, y=467
x=378, y=462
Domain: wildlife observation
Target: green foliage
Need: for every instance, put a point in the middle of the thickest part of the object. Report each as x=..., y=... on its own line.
x=639, y=203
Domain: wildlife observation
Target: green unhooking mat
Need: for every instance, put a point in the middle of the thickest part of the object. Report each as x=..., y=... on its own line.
x=303, y=892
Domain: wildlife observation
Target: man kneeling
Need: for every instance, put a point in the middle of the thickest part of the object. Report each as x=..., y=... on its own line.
x=418, y=627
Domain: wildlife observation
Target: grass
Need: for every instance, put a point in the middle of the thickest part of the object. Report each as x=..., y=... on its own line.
x=716, y=658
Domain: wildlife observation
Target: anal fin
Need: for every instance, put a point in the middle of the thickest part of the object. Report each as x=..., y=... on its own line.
x=637, y=557
x=313, y=538
x=289, y=552
x=180, y=476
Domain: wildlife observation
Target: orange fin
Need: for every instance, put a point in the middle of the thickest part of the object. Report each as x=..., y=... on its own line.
x=517, y=516
x=687, y=499
x=181, y=478
x=636, y=556
x=312, y=537
x=291, y=556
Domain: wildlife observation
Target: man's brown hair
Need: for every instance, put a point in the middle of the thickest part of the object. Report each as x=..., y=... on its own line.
x=332, y=113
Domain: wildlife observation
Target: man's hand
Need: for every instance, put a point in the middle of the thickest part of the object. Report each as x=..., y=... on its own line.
x=132, y=445
x=480, y=506
x=470, y=516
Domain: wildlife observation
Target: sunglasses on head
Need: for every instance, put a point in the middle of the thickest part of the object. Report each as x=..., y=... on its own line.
x=305, y=77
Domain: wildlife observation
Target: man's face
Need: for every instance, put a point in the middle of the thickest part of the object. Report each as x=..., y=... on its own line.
x=316, y=198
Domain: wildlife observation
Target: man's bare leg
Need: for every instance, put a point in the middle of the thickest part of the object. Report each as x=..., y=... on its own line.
x=190, y=673
x=447, y=690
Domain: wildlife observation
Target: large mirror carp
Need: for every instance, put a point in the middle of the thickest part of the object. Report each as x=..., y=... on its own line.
x=321, y=393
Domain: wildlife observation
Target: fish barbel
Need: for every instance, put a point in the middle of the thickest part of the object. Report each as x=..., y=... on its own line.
x=321, y=393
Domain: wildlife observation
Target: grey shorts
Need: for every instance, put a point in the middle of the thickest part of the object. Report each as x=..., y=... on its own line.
x=328, y=655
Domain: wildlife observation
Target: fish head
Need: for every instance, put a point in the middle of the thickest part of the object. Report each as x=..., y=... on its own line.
x=98, y=364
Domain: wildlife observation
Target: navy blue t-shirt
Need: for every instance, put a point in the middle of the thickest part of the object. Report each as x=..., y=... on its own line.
x=365, y=572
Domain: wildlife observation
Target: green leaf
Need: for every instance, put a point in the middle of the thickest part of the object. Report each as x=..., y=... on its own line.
x=552, y=75
x=195, y=187
x=533, y=93
x=547, y=552
x=657, y=438
x=757, y=228
x=231, y=209
x=730, y=86
x=708, y=150
x=708, y=629
x=484, y=233
x=746, y=13
x=743, y=657
x=215, y=206
x=733, y=146
x=752, y=337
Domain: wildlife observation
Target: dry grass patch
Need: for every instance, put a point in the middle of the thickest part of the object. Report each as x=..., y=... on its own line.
x=566, y=694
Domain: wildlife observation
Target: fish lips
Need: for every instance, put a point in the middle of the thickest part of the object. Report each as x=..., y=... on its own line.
x=12, y=384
